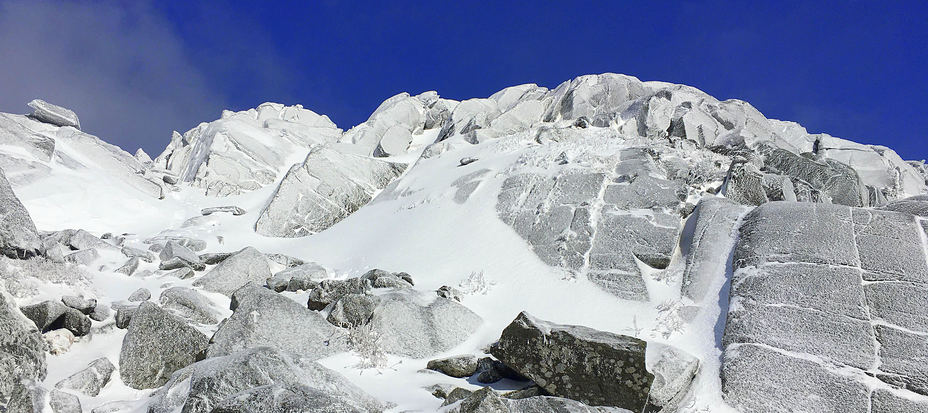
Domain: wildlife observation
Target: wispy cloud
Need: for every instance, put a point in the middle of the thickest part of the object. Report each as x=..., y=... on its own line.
x=122, y=69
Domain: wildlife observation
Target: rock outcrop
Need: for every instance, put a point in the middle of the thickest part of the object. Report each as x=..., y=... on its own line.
x=156, y=345
x=327, y=187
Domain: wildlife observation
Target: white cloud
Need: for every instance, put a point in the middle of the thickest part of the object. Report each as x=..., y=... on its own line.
x=122, y=69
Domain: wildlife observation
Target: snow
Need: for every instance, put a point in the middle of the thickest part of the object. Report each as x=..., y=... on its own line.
x=416, y=225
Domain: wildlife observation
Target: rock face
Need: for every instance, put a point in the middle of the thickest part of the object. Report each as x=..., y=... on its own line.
x=247, y=265
x=54, y=114
x=244, y=151
x=590, y=366
x=90, y=380
x=260, y=379
x=22, y=351
x=264, y=318
x=157, y=344
x=584, y=222
x=706, y=244
x=823, y=296
x=18, y=237
x=327, y=187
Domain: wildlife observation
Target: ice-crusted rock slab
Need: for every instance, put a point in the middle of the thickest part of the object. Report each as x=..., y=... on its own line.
x=595, y=367
x=157, y=344
x=246, y=150
x=54, y=114
x=706, y=244
x=247, y=265
x=327, y=187
x=262, y=317
x=823, y=297
x=189, y=304
x=256, y=380
x=18, y=236
x=22, y=350
x=598, y=223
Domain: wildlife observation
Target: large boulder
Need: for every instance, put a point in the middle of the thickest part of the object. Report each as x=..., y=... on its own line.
x=327, y=187
x=595, y=367
x=189, y=304
x=22, y=350
x=156, y=345
x=247, y=265
x=175, y=251
x=260, y=379
x=53, y=114
x=18, y=237
x=262, y=317
x=410, y=326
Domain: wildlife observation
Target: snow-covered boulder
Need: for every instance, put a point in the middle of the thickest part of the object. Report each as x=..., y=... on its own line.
x=327, y=187
x=157, y=344
x=262, y=317
x=595, y=367
x=260, y=379
x=54, y=114
x=189, y=304
x=247, y=150
x=408, y=326
x=247, y=265
x=22, y=350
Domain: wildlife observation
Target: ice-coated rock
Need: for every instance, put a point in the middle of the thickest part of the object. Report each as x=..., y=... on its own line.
x=386, y=279
x=213, y=258
x=262, y=317
x=91, y=379
x=18, y=237
x=82, y=257
x=707, y=244
x=260, y=379
x=486, y=400
x=63, y=402
x=329, y=291
x=54, y=114
x=301, y=277
x=193, y=244
x=353, y=310
x=22, y=350
x=916, y=205
x=593, y=367
x=124, y=315
x=27, y=397
x=457, y=366
x=231, y=209
x=189, y=304
x=156, y=345
x=174, y=250
x=408, y=326
x=246, y=150
x=324, y=189
x=883, y=400
x=44, y=314
x=143, y=255
x=142, y=294
x=79, y=303
x=240, y=268
x=101, y=312
x=129, y=267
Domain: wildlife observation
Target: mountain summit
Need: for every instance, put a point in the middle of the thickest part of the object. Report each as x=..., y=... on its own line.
x=609, y=245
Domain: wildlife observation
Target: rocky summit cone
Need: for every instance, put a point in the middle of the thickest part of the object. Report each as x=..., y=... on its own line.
x=608, y=245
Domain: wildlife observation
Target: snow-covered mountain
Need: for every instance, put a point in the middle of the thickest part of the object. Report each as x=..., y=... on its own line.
x=606, y=245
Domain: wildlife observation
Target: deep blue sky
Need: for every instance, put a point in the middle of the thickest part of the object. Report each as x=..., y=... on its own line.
x=134, y=73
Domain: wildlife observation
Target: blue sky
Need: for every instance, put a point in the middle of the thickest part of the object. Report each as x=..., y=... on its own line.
x=136, y=71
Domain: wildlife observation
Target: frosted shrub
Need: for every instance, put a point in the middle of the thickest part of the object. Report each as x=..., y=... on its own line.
x=365, y=342
x=23, y=277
